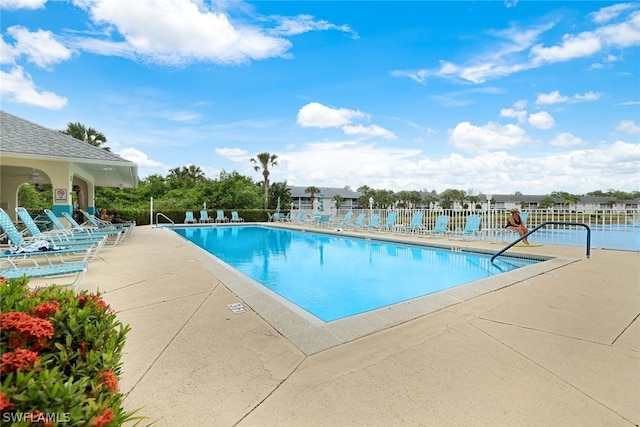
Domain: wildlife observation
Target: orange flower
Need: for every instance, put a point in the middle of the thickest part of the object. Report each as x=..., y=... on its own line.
x=104, y=418
x=21, y=358
x=3, y=280
x=93, y=299
x=22, y=322
x=5, y=402
x=46, y=309
x=109, y=380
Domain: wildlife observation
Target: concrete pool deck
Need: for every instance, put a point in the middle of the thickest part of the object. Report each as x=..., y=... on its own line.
x=557, y=347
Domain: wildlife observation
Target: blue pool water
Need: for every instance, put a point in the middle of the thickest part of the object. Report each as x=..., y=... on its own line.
x=333, y=276
x=624, y=237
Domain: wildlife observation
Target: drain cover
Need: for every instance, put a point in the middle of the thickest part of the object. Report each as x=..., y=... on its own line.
x=237, y=308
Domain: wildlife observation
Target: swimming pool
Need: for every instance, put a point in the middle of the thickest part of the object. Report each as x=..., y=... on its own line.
x=337, y=276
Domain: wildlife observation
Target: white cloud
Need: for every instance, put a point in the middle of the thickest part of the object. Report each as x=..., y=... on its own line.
x=332, y=164
x=520, y=105
x=39, y=47
x=178, y=32
x=321, y=116
x=497, y=60
x=17, y=86
x=510, y=3
x=419, y=76
x=289, y=26
x=554, y=97
x=618, y=35
x=235, y=154
x=578, y=46
x=7, y=53
x=140, y=158
x=541, y=120
x=566, y=139
x=512, y=113
x=629, y=126
x=22, y=4
x=611, y=12
x=588, y=96
x=504, y=56
x=491, y=136
x=551, y=98
x=368, y=131
x=624, y=34
x=323, y=163
x=317, y=115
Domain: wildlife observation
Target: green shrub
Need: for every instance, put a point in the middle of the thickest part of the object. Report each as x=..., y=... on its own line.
x=60, y=360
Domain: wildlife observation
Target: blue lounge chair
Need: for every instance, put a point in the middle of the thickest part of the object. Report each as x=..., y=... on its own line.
x=11, y=270
x=113, y=236
x=24, y=248
x=359, y=222
x=93, y=229
x=471, y=229
x=415, y=226
x=390, y=222
x=220, y=216
x=189, y=218
x=204, y=217
x=372, y=225
x=55, y=237
x=346, y=221
x=374, y=222
x=440, y=229
x=97, y=222
x=301, y=216
x=324, y=221
x=235, y=217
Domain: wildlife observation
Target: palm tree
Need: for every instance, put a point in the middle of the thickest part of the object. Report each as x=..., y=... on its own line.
x=337, y=200
x=311, y=191
x=263, y=162
x=194, y=173
x=88, y=135
x=281, y=190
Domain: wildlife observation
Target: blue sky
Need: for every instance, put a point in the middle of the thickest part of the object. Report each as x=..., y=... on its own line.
x=482, y=96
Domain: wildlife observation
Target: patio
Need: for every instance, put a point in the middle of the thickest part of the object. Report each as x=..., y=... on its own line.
x=562, y=348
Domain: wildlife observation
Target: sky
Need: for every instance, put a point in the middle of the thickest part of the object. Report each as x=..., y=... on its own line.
x=482, y=96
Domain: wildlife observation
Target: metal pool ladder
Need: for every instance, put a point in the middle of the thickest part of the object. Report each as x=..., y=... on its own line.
x=160, y=214
x=541, y=226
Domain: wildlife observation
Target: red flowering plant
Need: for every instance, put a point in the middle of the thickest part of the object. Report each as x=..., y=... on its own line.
x=60, y=357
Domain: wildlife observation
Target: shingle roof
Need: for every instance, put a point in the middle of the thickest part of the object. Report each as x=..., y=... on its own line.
x=328, y=192
x=21, y=136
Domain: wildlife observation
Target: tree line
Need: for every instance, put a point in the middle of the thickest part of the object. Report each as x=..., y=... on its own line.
x=188, y=188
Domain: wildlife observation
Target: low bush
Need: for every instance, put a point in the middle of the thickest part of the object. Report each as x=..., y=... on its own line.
x=60, y=362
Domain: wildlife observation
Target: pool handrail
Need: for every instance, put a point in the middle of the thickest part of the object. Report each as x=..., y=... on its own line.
x=518, y=240
x=173, y=224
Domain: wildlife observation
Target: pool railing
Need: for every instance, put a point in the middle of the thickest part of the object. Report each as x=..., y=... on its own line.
x=609, y=229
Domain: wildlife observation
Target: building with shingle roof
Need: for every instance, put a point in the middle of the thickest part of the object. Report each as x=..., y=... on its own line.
x=30, y=153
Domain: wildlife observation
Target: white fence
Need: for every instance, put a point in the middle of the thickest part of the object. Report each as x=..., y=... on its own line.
x=609, y=229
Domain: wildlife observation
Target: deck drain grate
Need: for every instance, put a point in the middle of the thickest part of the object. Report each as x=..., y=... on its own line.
x=237, y=308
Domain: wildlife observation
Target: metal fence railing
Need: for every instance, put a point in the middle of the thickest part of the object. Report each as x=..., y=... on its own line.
x=609, y=229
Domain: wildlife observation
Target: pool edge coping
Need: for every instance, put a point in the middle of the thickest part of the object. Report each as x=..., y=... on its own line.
x=312, y=335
